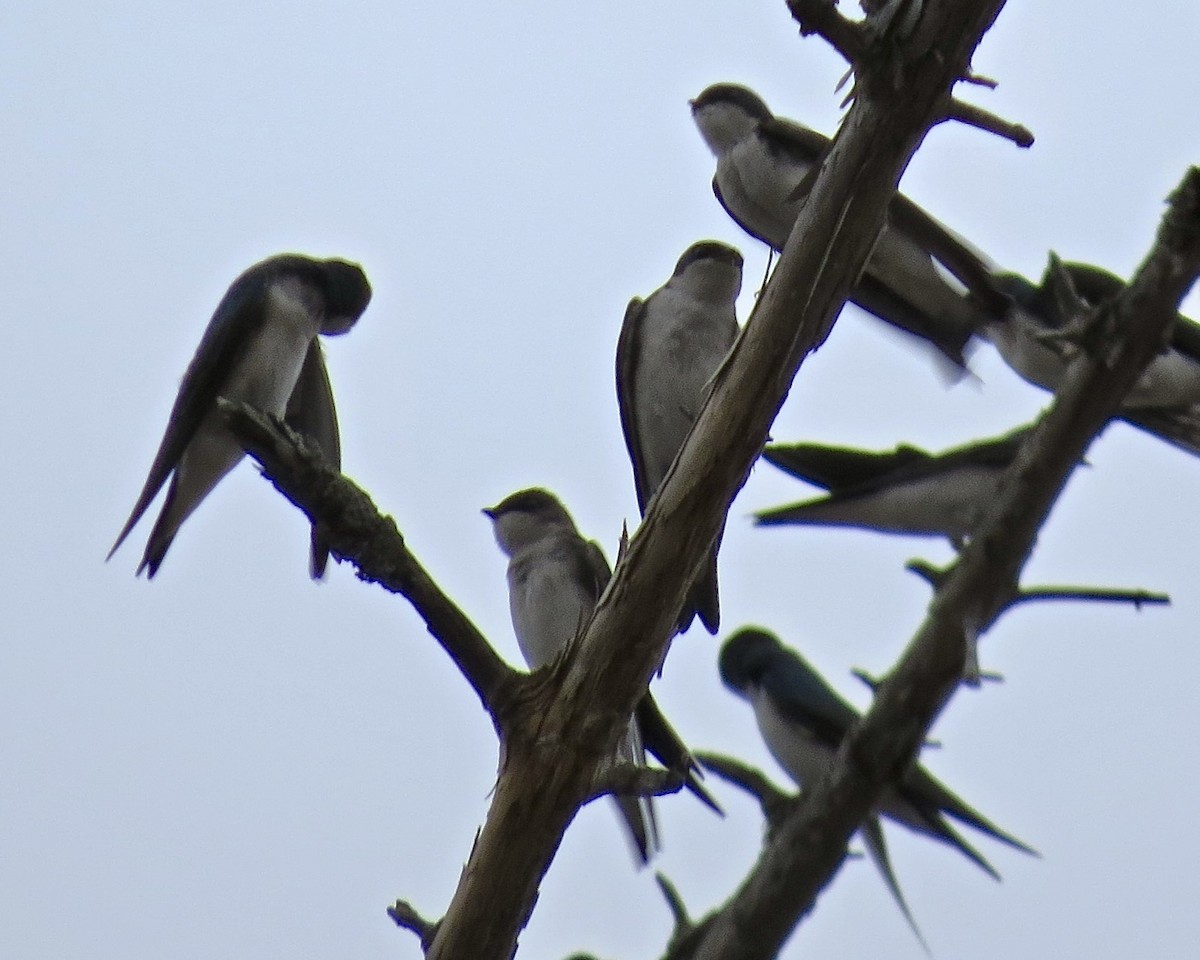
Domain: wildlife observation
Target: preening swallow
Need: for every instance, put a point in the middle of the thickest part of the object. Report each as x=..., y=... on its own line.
x=260, y=347
x=921, y=277
x=905, y=490
x=803, y=721
x=670, y=348
x=555, y=577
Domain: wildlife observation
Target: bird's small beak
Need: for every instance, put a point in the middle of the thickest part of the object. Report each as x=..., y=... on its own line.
x=692, y=104
x=489, y=512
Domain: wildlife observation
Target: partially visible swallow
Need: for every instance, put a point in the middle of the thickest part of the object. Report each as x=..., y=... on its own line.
x=906, y=490
x=1039, y=337
x=555, y=577
x=920, y=277
x=260, y=347
x=670, y=348
x=1035, y=338
x=803, y=722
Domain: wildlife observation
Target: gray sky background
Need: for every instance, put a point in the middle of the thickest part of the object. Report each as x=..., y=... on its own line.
x=233, y=762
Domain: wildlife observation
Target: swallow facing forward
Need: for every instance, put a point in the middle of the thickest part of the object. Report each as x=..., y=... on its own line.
x=260, y=347
x=905, y=490
x=921, y=277
x=671, y=345
x=555, y=577
x=803, y=721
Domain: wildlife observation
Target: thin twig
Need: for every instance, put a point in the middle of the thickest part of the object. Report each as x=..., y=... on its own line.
x=1137, y=597
x=630, y=780
x=821, y=17
x=984, y=120
x=683, y=923
x=405, y=917
x=775, y=803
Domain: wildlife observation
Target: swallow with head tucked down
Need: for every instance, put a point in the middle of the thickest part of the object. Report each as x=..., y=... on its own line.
x=906, y=490
x=555, y=577
x=803, y=722
x=921, y=277
x=671, y=346
x=260, y=347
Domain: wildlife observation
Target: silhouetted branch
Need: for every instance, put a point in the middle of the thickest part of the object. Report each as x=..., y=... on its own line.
x=990, y=123
x=810, y=845
x=859, y=42
x=551, y=758
x=1138, y=598
x=873, y=683
x=358, y=532
x=549, y=768
x=626, y=779
x=406, y=918
x=774, y=802
x=683, y=923
x=821, y=17
x=804, y=854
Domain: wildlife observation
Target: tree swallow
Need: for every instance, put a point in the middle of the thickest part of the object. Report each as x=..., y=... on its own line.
x=803, y=721
x=905, y=490
x=1027, y=337
x=921, y=277
x=260, y=347
x=671, y=345
x=555, y=577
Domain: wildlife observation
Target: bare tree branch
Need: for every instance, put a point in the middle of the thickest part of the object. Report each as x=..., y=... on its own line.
x=1138, y=598
x=551, y=754
x=806, y=851
x=1135, y=598
x=683, y=923
x=873, y=683
x=626, y=779
x=773, y=801
x=356, y=530
x=978, y=117
x=606, y=671
x=857, y=42
x=406, y=918
x=847, y=37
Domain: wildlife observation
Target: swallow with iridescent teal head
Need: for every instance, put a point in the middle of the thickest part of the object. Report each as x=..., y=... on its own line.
x=803, y=721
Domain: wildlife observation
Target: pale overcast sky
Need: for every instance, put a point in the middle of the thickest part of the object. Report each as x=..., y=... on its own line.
x=233, y=762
